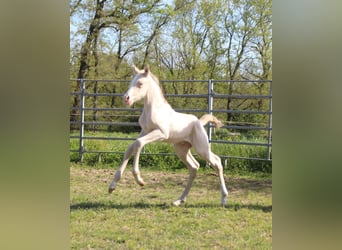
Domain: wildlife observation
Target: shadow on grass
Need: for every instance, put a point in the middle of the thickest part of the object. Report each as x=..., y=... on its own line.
x=143, y=205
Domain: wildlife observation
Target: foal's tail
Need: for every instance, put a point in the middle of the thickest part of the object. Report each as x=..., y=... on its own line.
x=210, y=118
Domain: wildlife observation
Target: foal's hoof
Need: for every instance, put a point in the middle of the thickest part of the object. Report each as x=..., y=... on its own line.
x=110, y=190
x=224, y=200
x=178, y=202
x=140, y=182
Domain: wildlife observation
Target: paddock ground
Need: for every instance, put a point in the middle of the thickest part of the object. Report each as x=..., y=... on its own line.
x=135, y=217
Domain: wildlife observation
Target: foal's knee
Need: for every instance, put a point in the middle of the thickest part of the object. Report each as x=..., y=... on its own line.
x=193, y=169
x=137, y=145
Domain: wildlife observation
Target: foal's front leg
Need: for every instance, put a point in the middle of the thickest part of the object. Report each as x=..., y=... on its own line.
x=121, y=169
x=123, y=165
x=136, y=171
x=154, y=135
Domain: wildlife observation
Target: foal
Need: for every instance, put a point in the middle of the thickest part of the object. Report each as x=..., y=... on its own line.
x=159, y=122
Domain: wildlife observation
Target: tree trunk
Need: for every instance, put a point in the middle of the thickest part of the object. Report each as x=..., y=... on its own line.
x=92, y=35
x=229, y=103
x=95, y=89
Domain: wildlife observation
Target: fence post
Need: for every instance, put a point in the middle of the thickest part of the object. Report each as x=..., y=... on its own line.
x=210, y=103
x=269, y=135
x=81, y=147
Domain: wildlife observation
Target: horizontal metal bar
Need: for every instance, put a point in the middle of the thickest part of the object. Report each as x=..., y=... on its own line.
x=106, y=152
x=112, y=123
x=169, y=154
x=221, y=96
x=187, y=95
x=240, y=81
x=167, y=81
x=135, y=124
x=241, y=111
x=245, y=127
x=137, y=109
x=98, y=80
x=179, y=110
x=244, y=158
x=191, y=110
x=104, y=138
x=242, y=96
x=128, y=81
x=104, y=94
x=240, y=143
x=120, y=95
x=110, y=109
x=132, y=139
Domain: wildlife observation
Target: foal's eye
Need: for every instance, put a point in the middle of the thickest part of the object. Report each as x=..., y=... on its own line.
x=139, y=84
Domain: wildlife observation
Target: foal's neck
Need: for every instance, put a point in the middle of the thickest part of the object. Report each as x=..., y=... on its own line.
x=154, y=97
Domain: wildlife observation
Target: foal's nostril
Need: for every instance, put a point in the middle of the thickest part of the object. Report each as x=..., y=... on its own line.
x=126, y=98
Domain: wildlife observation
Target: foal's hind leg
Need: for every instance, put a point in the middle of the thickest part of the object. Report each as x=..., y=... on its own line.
x=183, y=152
x=215, y=161
x=202, y=147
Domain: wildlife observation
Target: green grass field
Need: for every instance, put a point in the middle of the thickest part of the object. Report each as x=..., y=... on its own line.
x=135, y=217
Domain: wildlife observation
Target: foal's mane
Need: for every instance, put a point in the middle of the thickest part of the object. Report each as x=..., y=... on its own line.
x=158, y=84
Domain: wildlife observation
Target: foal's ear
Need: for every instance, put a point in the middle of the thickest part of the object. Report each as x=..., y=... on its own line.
x=147, y=69
x=135, y=69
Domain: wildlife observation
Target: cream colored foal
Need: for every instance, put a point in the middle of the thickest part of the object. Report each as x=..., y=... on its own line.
x=159, y=122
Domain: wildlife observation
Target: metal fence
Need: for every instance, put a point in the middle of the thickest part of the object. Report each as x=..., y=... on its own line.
x=210, y=96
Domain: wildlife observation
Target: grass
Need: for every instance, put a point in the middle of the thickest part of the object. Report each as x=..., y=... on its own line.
x=135, y=217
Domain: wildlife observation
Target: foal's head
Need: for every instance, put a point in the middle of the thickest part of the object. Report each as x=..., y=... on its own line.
x=139, y=85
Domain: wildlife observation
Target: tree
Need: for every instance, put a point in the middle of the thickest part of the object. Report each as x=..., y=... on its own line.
x=206, y=39
x=120, y=17
x=242, y=26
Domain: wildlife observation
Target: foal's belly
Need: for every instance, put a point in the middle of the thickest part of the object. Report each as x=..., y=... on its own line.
x=177, y=126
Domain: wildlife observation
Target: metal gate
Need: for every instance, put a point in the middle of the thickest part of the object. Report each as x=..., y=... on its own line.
x=212, y=94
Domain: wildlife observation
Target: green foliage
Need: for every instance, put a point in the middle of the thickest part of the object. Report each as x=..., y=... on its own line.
x=182, y=39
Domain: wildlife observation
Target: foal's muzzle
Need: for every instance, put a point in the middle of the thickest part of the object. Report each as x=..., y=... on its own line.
x=126, y=99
